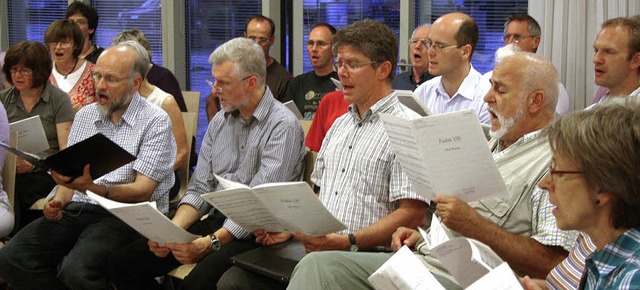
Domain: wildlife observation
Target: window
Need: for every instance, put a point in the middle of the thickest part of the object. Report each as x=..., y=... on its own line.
x=490, y=16
x=28, y=20
x=118, y=15
x=210, y=23
x=343, y=13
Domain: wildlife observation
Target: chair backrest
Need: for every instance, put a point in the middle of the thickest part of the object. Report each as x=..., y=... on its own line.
x=306, y=124
x=9, y=169
x=192, y=100
x=190, y=127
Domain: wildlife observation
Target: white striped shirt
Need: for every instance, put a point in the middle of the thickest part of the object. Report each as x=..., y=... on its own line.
x=358, y=173
x=145, y=132
x=469, y=96
x=268, y=148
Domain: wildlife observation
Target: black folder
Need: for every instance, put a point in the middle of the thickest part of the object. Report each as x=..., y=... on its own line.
x=275, y=261
x=103, y=154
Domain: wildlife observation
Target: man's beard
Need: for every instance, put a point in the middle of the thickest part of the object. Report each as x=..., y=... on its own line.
x=506, y=124
x=114, y=105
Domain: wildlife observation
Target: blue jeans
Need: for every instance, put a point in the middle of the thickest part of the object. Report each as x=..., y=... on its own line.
x=69, y=253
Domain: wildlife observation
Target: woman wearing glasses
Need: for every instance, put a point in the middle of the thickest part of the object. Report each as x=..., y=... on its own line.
x=28, y=67
x=594, y=184
x=70, y=73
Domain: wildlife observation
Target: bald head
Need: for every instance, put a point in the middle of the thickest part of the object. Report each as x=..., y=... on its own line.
x=523, y=96
x=466, y=27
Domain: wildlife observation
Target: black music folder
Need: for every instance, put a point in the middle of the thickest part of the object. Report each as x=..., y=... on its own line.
x=276, y=261
x=103, y=154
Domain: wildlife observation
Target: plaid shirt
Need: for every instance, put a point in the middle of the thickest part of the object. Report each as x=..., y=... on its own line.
x=145, y=132
x=359, y=176
x=617, y=265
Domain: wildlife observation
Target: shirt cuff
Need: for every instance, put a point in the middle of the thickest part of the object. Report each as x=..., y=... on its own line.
x=237, y=231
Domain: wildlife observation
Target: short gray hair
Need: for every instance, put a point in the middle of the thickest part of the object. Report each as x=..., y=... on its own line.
x=136, y=35
x=538, y=74
x=245, y=54
x=141, y=64
x=604, y=142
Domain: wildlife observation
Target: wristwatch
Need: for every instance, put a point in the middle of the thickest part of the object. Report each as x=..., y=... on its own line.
x=215, y=243
x=352, y=240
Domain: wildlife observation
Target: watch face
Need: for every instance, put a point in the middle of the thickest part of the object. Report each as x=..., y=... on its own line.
x=215, y=244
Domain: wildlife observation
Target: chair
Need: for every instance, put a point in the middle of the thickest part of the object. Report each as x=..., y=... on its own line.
x=306, y=124
x=190, y=127
x=309, y=164
x=192, y=100
x=9, y=169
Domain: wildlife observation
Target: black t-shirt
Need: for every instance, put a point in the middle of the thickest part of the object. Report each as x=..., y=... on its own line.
x=306, y=91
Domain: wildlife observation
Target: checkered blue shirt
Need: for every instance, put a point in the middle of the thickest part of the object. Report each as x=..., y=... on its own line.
x=145, y=132
x=617, y=265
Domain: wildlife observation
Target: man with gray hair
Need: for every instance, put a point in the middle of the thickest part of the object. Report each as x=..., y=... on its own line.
x=419, y=72
x=69, y=246
x=518, y=226
x=256, y=140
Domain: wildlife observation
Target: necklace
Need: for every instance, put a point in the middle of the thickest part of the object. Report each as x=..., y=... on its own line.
x=65, y=75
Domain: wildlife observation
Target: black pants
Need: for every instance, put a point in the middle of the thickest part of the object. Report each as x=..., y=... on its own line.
x=135, y=267
x=29, y=188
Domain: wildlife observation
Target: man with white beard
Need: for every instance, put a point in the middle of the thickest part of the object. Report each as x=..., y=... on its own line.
x=69, y=246
x=518, y=226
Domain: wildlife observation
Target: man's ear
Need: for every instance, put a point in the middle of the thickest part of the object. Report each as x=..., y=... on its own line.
x=466, y=50
x=137, y=83
x=384, y=70
x=536, y=101
x=635, y=60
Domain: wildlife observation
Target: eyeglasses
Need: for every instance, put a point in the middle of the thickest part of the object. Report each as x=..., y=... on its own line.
x=260, y=40
x=63, y=43
x=221, y=88
x=23, y=71
x=415, y=41
x=438, y=47
x=319, y=43
x=516, y=37
x=350, y=66
x=110, y=80
x=553, y=171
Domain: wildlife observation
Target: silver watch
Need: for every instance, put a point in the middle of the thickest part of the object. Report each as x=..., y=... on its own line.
x=215, y=243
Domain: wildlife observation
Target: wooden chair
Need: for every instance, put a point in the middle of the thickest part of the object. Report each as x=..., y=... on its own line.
x=9, y=169
x=306, y=124
x=190, y=127
x=192, y=100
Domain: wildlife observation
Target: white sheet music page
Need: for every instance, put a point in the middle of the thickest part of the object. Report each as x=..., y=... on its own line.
x=31, y=136
x=275, y=207
x=500, y=278
x=437, y=232
x=445, y=154
x=404, y=271
x=146, y=219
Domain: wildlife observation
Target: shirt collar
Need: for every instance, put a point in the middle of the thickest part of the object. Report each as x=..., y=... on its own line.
x=468, y=88
x=380, y=106
x=498, y=151
x=618, y=251
x=262, y=110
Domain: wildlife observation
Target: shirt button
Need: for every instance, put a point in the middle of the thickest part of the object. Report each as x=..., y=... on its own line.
x=350, y=146
x=336, y=193
x=342, y=169
x=359, y=125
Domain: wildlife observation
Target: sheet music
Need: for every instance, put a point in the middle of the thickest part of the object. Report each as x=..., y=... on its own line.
x=500, y=278
x=337, y=83
x=31, y=136
x=406, y=98
x=146, y=219
x=294, y=108
x=458, y=257
x=275, y=207
x=437, y=232
x=445, y=154
x=403, y=271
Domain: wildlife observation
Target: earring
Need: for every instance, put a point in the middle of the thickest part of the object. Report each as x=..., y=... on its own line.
x=597, y=201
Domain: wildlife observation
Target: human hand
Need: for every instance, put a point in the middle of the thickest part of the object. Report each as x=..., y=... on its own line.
x=534, y=284
x=404, y=237
x=156, y=249
x=271, y=238
x=80, y=183
x=23, y=166
x=53, y=210
x=189, y=253
x=457, y=214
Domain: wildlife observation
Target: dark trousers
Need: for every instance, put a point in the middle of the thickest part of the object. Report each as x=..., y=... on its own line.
x=237, y=278
x=135, y=267
x=29, y=188
x=69, y=253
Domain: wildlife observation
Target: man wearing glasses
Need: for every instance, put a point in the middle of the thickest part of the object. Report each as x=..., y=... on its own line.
x=255, y=140
x=450, y=46
x=518, y=226
x=262, y=30
x=359, y=178
x=419, y=72
x=306, y=90
x=524, y=32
